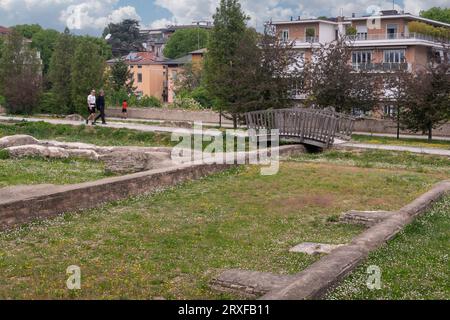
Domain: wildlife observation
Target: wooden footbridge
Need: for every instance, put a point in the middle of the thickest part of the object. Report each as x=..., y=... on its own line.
x=312, y=127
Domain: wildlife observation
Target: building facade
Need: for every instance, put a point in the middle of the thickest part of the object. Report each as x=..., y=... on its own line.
x=381, y=43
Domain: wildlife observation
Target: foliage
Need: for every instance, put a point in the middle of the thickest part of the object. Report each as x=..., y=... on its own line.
x=28, y=30
x=116, y=98
x=20, y=75
x=429, y=98
x=186, y=104
x=351, y=31
x=437, y=14
x=44, y=41
x=429, y=30
x=184, y=41
x=189, y=78
x=87, y=73
x=332, y=82
x=149, y=102
x=49, y=103
x=121, y=77
x=60, y=72
x=124, y=37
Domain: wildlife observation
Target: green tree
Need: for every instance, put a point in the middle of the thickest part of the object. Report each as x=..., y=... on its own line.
x=184, y=41
x=20, y=75
x=225, y=39
x=60, y=72
x=44, y=41
x=437, y=13
x=120, y=77
x=28, y=30
x=87, y=72
x=124, y=37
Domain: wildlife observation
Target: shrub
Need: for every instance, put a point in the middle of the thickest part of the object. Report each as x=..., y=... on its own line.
x=426, y=29
x=4, y=155
x=351, y=31
x=186, y=103
x=2, y=100
x=149, y=102
x=49, y=104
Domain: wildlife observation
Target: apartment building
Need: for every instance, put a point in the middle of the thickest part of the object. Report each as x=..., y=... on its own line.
x=381, y=43
x=156, y=39
x=155, y=76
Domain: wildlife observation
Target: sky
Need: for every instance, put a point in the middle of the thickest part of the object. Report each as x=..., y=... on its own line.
x=91, y=16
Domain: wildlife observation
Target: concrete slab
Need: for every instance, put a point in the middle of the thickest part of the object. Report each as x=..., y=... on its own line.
x=366, y=218
x=315, y=248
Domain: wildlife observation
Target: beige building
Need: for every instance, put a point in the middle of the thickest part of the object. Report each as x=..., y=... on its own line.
x=155, y=76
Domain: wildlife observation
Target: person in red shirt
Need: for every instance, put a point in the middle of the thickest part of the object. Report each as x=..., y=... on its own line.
x=125, y=109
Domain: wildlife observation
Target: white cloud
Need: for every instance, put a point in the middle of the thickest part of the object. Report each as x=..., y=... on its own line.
x=186, y=11
x=76, y=14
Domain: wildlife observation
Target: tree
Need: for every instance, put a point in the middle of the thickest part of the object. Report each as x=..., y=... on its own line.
x=121, y=77
x=44, y=41
x=60, y=71
x=332, y=82
x=184, y=41
x=437, y=13
x=28, y=30
x=20, y=75
x=225, y=38
x=124, y=37
x=397, y=91
x=429, y=97
x=87, y=72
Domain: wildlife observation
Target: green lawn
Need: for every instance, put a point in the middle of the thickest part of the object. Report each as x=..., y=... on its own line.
x=30, y=171
x=415, y=265
x=173, y=243
x=97, y=135
x=421, y=143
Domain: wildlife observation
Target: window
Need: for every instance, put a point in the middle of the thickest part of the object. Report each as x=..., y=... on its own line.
x=390, y=111
x=285, y=35
x=174, y=75
x=139, y=67
x=361, y=32
x=310, y=34
x=140, y=77
x=394, y=56
x=361, y=57
x=391, y=31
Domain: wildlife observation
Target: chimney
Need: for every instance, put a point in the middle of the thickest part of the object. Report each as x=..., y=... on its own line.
x=353, y=15
x=299, y=18
x=292, y=18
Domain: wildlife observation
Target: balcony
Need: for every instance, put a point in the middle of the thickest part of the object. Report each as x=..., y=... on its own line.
x=306, y=40
x=397, y=36
x=382, y=67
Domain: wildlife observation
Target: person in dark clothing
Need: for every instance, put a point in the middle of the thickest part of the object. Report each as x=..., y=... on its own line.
x=100, y=102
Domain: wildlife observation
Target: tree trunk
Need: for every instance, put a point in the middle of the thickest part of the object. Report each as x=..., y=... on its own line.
x=398, y=123
x=235, y=121
x=430, y=133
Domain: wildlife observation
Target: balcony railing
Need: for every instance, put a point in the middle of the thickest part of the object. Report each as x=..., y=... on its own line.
x=386, y=66
x=397, y=36
x=307, y=40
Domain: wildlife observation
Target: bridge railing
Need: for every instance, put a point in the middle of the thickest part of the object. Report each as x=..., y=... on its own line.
x=310, y=126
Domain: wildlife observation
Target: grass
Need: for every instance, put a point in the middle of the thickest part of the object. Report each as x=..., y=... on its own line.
x=45, y=171
x=415, y=265
x=381, y=159
x=173, y=243
x=412, y=142
x=95, y=135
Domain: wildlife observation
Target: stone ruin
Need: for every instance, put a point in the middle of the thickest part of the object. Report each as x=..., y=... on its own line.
x=118, y=160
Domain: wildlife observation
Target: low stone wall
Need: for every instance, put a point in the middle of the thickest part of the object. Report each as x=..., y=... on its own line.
x=50, y=202
x=389, y=126
x=169, y=115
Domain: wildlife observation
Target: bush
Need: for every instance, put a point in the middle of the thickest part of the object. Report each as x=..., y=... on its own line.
x=49, y=104
x=187, y=104
x=2, y=101
x=149, y=102
x=4, y=155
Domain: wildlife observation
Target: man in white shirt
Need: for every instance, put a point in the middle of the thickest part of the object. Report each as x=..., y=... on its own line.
x=91, y=100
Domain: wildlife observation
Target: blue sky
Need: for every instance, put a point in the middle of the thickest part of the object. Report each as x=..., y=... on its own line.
x=91, y=16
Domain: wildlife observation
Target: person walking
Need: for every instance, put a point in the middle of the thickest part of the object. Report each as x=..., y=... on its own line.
x=91, y=100
x=100, y=103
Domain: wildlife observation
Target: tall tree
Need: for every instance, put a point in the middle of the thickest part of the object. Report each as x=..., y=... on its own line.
x=184, y=41
x=124, y=37
x=28, y=30
x=121, y=77
x=20, y=75
x=44, y=41
x=437, y=13
x=332, y=82
x=60, y=72
x=429, y=97
x=225, y=38
x=87, y=72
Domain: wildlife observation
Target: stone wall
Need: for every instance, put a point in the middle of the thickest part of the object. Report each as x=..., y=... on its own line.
x=169, y=114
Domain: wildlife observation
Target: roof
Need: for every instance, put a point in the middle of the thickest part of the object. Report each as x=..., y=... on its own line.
x=179, y=61
x=305, y=21
x=201, y=51
x=402, y=16
x=4, y=30
x=139, y=58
